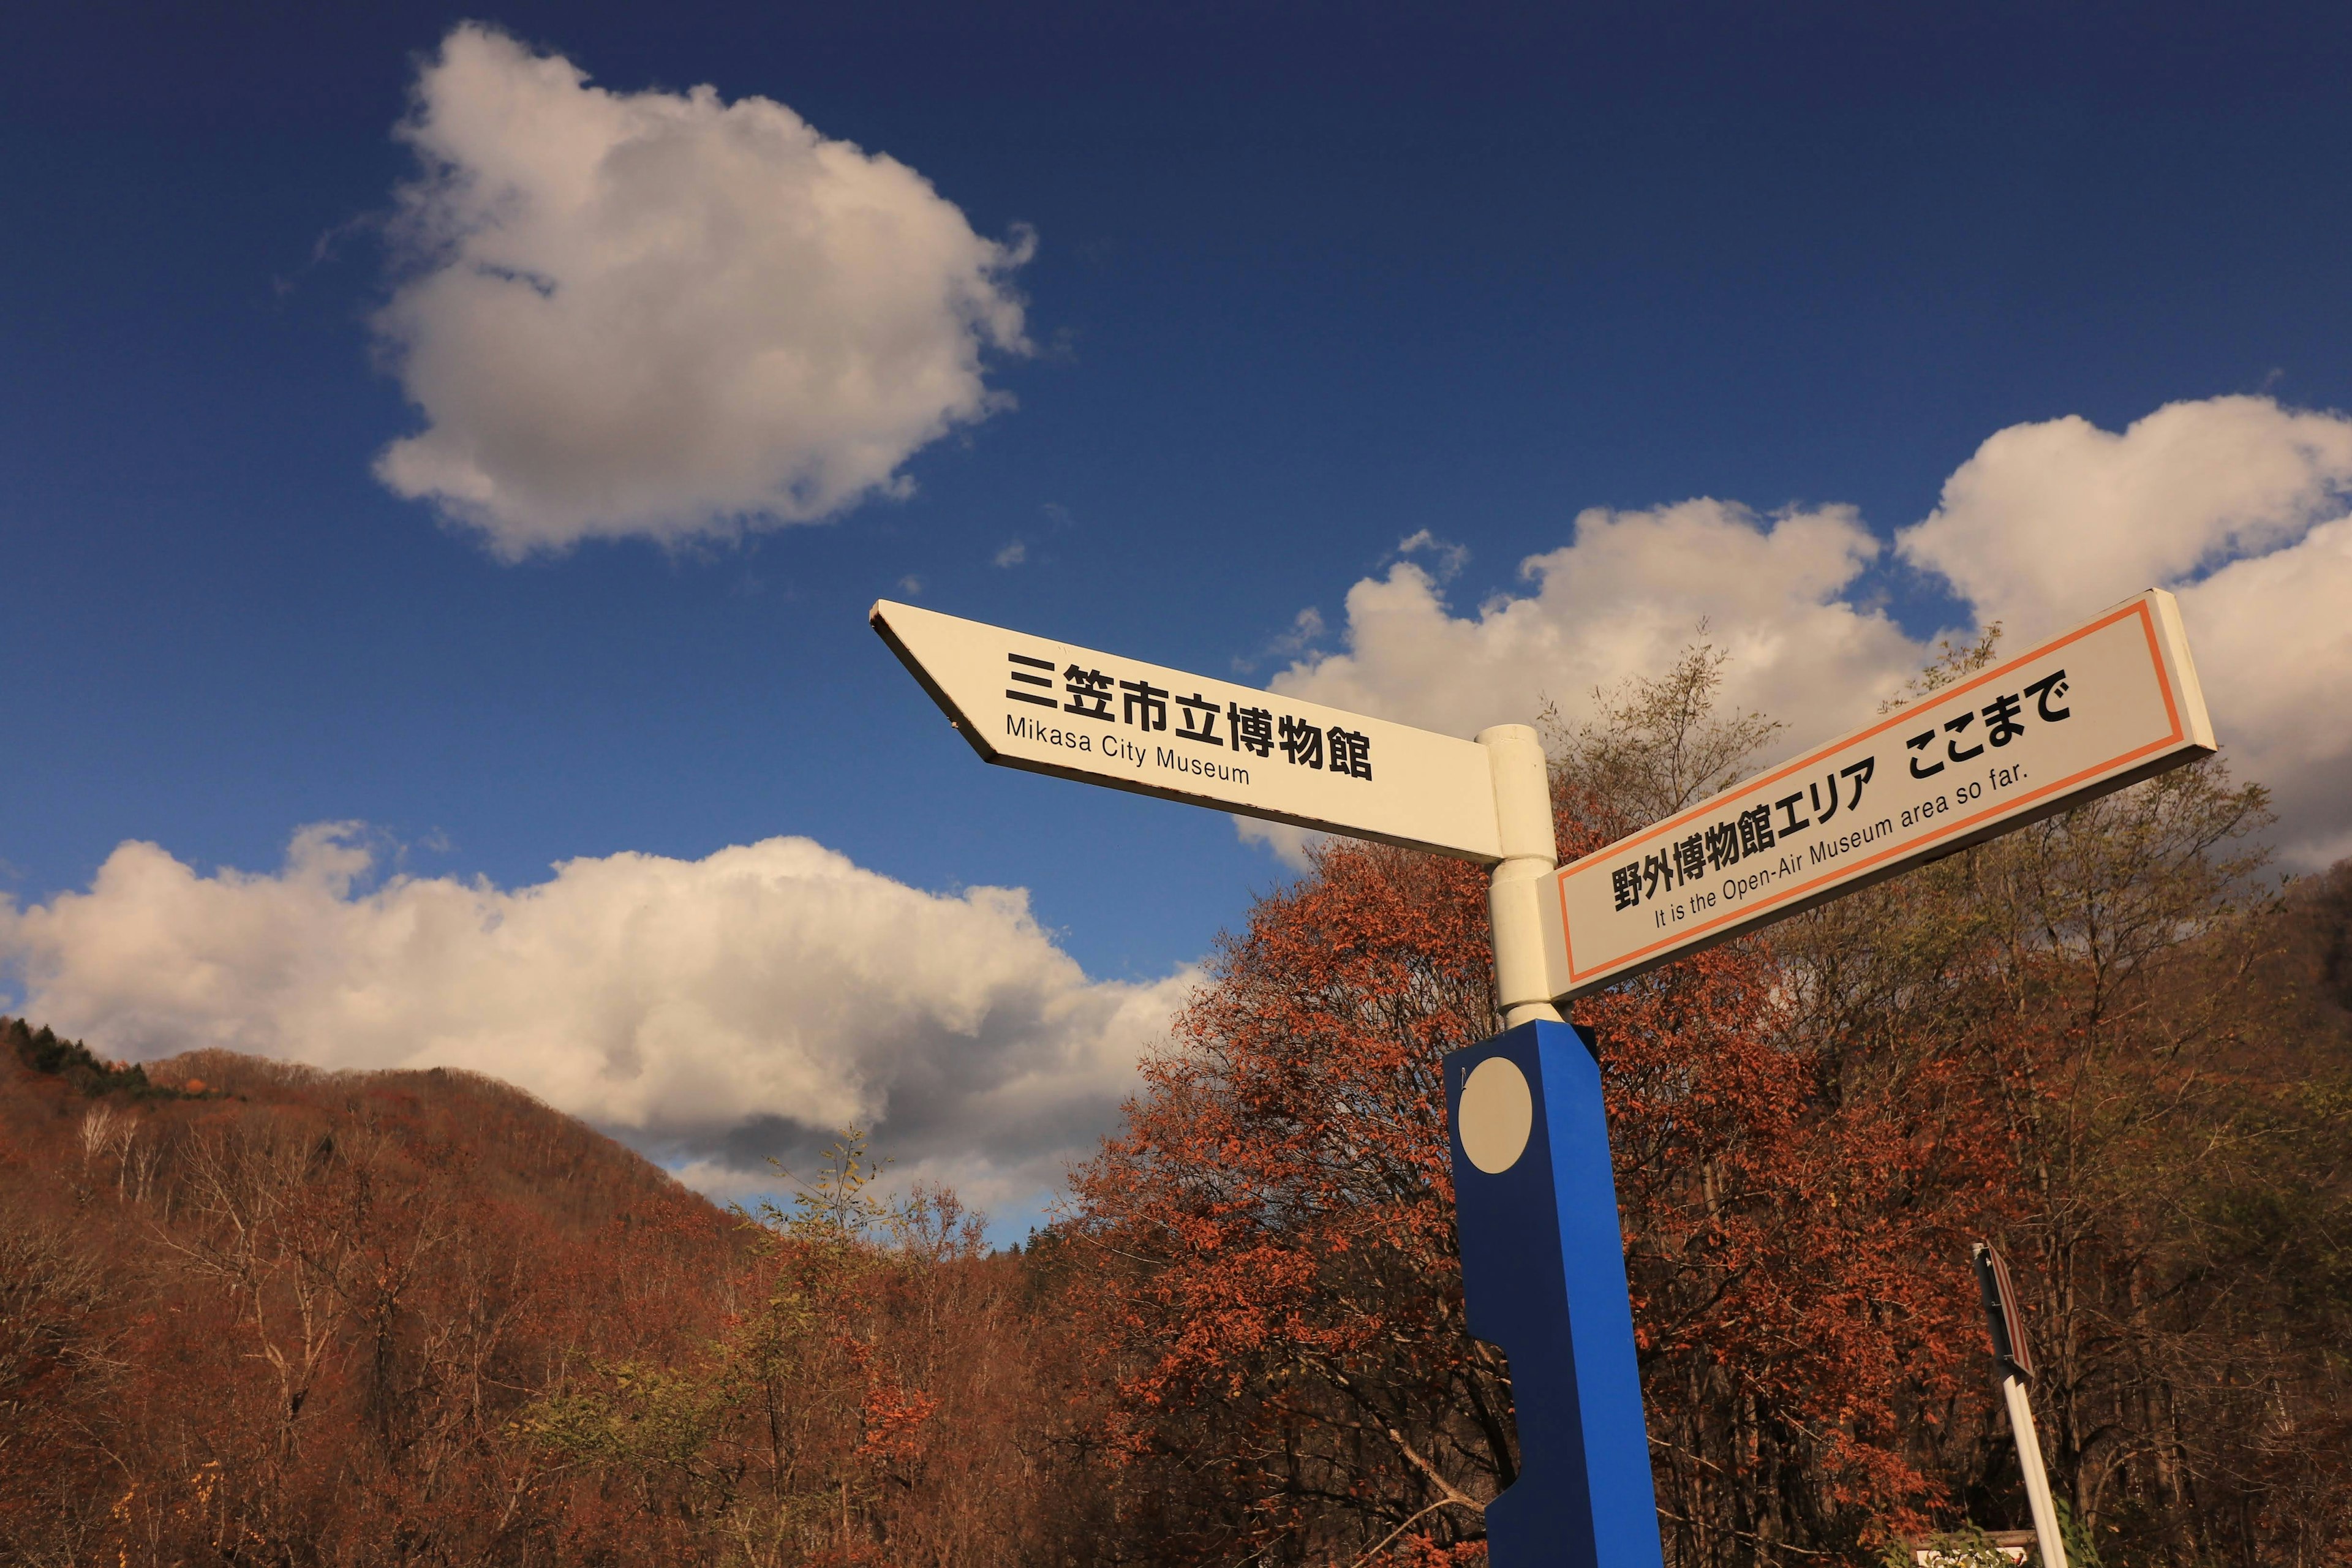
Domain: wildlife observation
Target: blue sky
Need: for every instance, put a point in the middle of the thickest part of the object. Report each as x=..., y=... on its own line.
x=1306, y=282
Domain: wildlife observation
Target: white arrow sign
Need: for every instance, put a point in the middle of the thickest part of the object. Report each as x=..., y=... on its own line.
x=2106, y=704
x=1054, y=708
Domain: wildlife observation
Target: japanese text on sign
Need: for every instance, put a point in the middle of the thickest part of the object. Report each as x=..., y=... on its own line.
x=2109, y=703
x=1809, y=810
x=1142, y=706
x=1028, y=702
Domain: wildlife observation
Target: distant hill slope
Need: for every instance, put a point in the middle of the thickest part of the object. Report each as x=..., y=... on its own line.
x=320, y=1295
x=252, y=1312
x=512, y=1147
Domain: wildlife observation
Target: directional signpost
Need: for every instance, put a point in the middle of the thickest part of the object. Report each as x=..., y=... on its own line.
x=1543, y=1267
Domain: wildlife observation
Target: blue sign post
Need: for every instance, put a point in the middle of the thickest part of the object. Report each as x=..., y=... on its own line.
x=1543, y=1273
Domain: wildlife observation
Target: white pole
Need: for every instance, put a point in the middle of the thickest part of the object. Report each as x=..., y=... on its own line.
x=1523, y=810
x=2037, y=1481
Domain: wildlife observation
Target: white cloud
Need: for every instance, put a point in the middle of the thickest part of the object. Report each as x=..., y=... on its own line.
x=1449, y=556
x=723, y=1009
x=666, y=315
x=1307, y=629
x=1623, y=598
x=2050, y=522
x=2236, y=504
x=1289, y=845
x=1013, y=553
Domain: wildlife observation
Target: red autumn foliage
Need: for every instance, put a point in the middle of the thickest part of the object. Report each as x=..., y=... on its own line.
x=1279, y=1206
x=1275, y=1229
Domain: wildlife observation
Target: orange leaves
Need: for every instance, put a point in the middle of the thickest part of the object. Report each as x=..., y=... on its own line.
x=893, y=1418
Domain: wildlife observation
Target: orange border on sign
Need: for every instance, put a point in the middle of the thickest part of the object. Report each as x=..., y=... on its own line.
x=2171, y=710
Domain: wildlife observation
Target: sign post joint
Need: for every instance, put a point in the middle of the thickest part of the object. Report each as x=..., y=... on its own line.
x=1521, y=880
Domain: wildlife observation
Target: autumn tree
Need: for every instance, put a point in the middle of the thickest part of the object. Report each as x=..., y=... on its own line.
x=1271, y=1237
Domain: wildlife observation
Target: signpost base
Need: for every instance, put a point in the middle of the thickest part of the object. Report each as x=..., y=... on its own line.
x=1543, y=1274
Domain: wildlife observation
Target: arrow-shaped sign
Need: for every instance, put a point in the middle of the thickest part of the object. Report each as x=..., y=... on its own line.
x=2106, y=704
x=1055, y=707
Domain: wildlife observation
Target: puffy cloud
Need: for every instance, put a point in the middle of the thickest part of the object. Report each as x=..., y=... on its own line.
x=1623, y=598
x=2235, y=503
x=723, y=1009
x=666, y=315
x=2052, y=522
x=2273, y=642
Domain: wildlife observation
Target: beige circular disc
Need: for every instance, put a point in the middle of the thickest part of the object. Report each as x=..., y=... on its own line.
x=1496, y=1115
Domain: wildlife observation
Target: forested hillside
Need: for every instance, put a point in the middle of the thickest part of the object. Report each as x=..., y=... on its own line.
x=253, y=1313
x=249, y=1310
